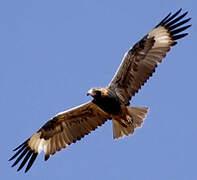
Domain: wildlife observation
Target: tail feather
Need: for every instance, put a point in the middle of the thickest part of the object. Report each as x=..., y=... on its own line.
x=137, y=115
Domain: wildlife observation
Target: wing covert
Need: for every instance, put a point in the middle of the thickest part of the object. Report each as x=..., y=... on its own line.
x=62, y=130
x=140, y=62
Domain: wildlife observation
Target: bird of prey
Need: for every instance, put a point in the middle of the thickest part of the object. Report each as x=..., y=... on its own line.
x=111, y=102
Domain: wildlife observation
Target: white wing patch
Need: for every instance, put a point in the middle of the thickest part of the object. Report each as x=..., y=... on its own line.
x=37, y=144
x=161, y=36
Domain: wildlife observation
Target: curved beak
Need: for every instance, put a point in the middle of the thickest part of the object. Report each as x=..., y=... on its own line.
x=90, y=92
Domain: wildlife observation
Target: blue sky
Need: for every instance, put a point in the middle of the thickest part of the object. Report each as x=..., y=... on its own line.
x=53, y=52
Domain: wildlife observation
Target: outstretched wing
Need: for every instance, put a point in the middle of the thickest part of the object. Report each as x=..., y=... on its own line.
x=62, y=130
x=140, y=61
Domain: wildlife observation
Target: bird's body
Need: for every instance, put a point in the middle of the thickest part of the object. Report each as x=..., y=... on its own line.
x=125, y=118
x=107, y=100
x=111, y=102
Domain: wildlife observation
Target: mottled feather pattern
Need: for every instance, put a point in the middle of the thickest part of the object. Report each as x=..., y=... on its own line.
x=62, y=130
x=140, y=62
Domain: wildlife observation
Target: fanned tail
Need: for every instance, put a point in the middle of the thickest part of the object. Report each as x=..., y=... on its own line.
x=135, y=116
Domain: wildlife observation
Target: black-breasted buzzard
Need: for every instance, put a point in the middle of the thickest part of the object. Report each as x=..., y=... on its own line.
x=111, y=102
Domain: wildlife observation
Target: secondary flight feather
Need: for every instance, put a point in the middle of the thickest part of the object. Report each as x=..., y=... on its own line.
x=111, y=102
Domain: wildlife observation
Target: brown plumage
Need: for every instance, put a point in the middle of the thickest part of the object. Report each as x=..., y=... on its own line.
x=111, y=102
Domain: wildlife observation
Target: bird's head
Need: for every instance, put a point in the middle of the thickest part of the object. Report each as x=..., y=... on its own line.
x=97, y=92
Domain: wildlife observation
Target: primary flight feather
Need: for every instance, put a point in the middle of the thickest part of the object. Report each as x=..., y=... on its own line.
x=111, y=102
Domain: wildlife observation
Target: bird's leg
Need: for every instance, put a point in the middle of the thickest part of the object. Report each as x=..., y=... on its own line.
x=129, y=119
x=123, y=123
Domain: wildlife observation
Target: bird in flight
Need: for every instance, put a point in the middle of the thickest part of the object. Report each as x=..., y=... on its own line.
x=110, y=103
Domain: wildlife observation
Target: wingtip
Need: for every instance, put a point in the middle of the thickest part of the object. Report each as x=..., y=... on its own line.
x=179, y=10
x=18, y=147
x=19, y=169
x=31, y=161
x=176, y=13
x=26, y=170
x=174, y=24
x=25, y=153
x=14, y=164
x=170, y=16
x=10, y=159
x=179, y=36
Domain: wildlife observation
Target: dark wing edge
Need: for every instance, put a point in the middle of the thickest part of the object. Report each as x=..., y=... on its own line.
x=25, y=151
x=53, y=136
x=140, y=62
x=174, y=28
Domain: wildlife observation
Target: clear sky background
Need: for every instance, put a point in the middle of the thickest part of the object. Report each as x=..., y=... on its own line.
x=53, y=52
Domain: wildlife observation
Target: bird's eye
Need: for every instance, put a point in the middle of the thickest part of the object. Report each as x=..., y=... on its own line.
x=98, y=93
